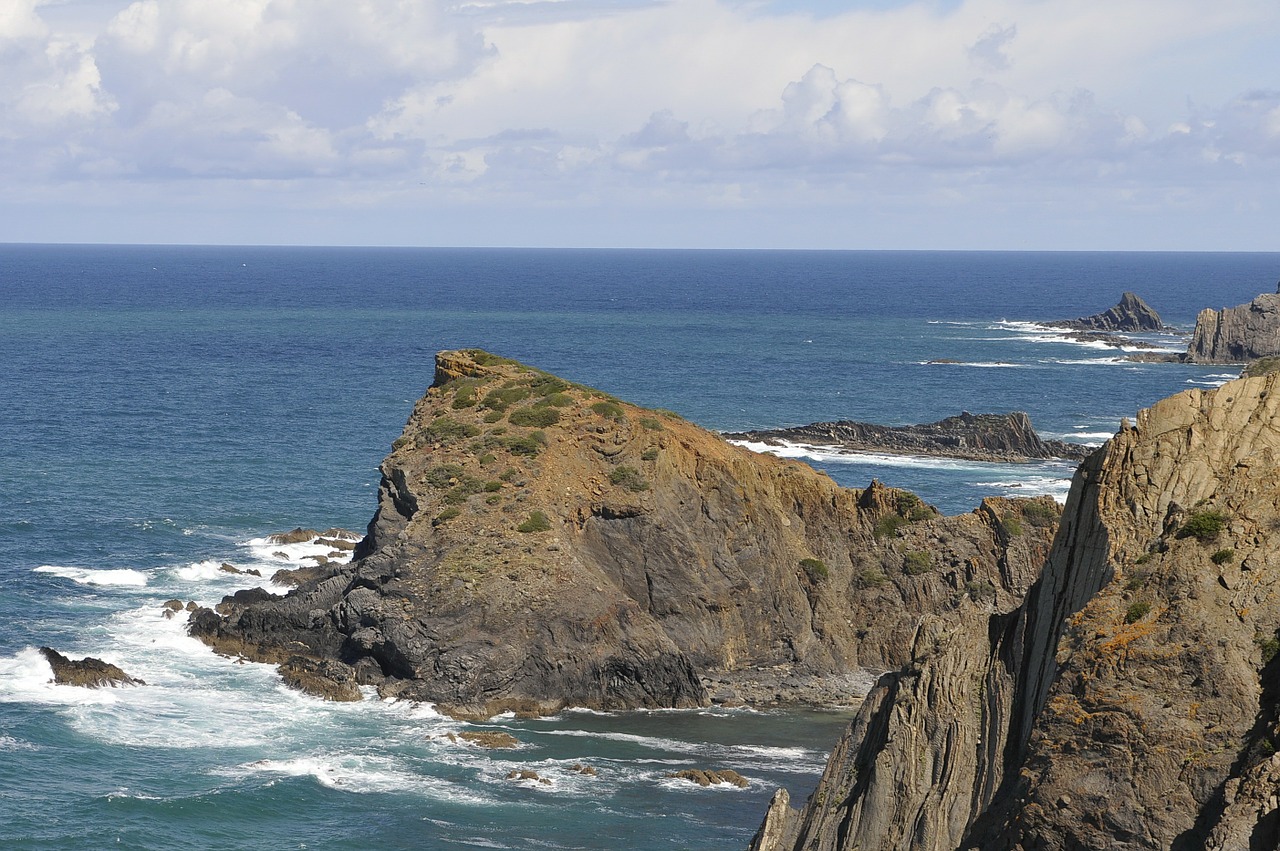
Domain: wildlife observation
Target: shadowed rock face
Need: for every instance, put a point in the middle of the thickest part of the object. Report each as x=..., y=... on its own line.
x=1130, y=701
x=539, y=544
x=1237, y=334
x=88, y=672
x=1132, y=314
x=978, y=437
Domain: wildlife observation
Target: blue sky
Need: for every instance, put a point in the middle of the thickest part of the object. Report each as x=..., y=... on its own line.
x=986, y=124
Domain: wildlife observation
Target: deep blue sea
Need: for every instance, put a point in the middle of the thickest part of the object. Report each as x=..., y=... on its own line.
x=162, y=409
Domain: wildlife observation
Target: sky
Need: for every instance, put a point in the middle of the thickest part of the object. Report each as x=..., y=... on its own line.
x=842, y=124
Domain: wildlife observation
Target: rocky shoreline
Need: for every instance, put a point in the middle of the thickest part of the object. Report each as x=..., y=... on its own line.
x=975, y=437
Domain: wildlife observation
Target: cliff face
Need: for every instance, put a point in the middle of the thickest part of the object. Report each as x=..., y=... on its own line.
x=1130, y=314
x=981, y=437
x=540, y=544
x=1237, y=334
x=1130, y=701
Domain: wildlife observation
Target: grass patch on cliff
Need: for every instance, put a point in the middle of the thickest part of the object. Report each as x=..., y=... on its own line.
x=650, y=454
x=537, y=522
x=915, y=563
x=446, y=515
x=466, y=393
x=505, y=396
x=443, y=475
x=912, y=508
x=1040, y=513
x=888, y=526
x=1205, y=526
x=608, y=410
x=815, y=568
x=1137, y=611
x=528, y=446
x=1223, y=556
x=1269, y=647
x=484, y=358
x=628, y=478
x=651, y=424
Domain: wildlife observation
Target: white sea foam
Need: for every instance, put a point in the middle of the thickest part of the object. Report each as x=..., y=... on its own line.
x=119, y=577
x=1032, y=486
x=827, y=454
x=978, y=364
x=26, y=677
x=267, y=551
x=360, y=774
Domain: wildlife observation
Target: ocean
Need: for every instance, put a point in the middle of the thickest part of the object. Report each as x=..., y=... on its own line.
x=164, y=409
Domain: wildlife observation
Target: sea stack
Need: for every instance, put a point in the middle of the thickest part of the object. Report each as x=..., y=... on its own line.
x=1129, y=701
x=1131, y=315
x=540, y=544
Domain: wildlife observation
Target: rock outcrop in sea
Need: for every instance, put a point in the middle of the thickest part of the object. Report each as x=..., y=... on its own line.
x=88, y=672
x=1237, y=334
x=1131, y=700
x=540, y=544
x=977, y=437
x=1130, y=315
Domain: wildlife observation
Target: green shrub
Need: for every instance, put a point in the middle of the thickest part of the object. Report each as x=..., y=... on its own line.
x=1012, y=525
x=1040, y=513
x=493, y=416
x=443, y=475
x=483, y=358
x=915, y=563
x=446, y=430
x=465, y=395
x=1204, y=526
x=557, y=400
x=492, y=487
x=534, y=417
x=1269, y=646
x=487, y=458
x=522, y=445
x=537, y=522
x=1137, y=611
x=610, y=410
x=650, y=454
x=911, y=508
x=400, y=443
x=493, y=499
x=628, y=478
x=1135, y=580
x=871, y=578
x=888, y=526
x=1222, y=556
x=446, y=515
x=815, y=569
x=671, y=415
x=504, y=397
x=981, y=591
x=650, y=423
x=545, y=384
x=539, y=436
x=459, y=493
x=510, y=474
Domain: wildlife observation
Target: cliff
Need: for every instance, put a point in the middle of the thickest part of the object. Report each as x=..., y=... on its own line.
x=1131, y=314
x=978, y=437
x=1130, y=700
x=1237, y=334
x=538, y=544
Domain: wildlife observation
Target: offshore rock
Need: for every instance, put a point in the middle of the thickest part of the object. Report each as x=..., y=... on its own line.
x=1132, y=314
x=539, y=544
x=1131, y=701
x=976, y=437
x=1237, y=334
x=87, y=672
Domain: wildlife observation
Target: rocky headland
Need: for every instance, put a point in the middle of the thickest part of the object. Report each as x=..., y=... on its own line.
x=1131, y=699
x=975, y=437
x=88, y=672
x=540, y=544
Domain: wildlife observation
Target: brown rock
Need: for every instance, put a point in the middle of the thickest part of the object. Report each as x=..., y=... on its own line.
x=87, y=672
x=327, y=679
x=495, y=739
x=707, y=777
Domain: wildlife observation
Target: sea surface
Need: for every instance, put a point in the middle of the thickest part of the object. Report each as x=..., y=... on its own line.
x=164, y=409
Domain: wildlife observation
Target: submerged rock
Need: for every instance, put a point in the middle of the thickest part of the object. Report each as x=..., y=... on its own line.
x=977, y=437
x=87, y=672
x=539, y=544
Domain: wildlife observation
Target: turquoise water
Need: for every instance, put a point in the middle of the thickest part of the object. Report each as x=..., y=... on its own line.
x=165, y=408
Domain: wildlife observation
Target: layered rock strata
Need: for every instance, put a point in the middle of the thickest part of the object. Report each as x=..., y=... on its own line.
x=539, y=544
x=88, y=672
x=1130, y=701
x=1130, y=315
x=1237, y=334
x=976, y=437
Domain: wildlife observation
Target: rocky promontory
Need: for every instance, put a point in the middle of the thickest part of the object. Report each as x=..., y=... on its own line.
x=976, y=437
x=88, y=672
x=1131, y=700
x=540, y=544
x=1237, y=334
x=1131, y=315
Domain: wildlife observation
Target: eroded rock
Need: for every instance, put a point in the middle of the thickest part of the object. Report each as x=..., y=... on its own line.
x=87, y=672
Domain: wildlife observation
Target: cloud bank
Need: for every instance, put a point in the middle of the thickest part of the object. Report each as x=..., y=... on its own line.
x=635, y=122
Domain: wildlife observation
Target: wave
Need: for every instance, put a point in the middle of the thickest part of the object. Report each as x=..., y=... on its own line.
x=359, y=774
x=980, y=364
x=831, y=455
x=118, y=577
x=1032, y=486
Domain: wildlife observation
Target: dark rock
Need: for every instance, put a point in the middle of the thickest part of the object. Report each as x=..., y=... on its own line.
x=1132, y=314
x=243, y=599
x=978, y=437
x=527, y=774
x=585, y=770
x=231, y=568
x=1237, y=334
x=707, y=777
x=87, y=672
